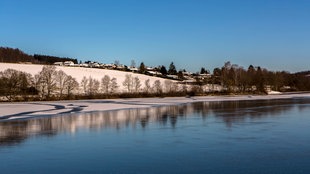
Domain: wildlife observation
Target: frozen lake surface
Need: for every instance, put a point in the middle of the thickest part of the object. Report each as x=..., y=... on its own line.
x=264, y=136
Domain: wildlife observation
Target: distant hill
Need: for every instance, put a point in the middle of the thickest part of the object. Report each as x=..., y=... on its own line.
x=11, y=55
x=304, y=73
x=15, y=55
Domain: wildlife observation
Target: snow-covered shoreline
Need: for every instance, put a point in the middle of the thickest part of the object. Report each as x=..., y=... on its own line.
x=9, y=111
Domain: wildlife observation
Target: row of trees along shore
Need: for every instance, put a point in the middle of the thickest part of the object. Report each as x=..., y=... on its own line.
x=52, y=84
x=235, y=78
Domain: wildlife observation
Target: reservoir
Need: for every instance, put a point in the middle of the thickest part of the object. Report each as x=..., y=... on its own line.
x=261, y=136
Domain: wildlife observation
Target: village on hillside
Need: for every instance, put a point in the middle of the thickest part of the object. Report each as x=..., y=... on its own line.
x=183, y=75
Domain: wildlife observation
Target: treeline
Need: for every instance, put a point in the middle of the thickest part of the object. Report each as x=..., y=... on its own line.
x=10, y=55
x=235, y=78
x=52, y=59
x=21, y=86
x=15, y=83
x=52, y=84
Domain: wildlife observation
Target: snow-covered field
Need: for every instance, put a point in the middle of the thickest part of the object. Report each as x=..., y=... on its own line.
x=79, y=72
x=32, y=109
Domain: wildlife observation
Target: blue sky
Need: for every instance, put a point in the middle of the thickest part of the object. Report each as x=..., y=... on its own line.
x=273, y=34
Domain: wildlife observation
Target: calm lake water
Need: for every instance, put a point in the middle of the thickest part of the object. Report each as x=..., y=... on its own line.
x=267, y=136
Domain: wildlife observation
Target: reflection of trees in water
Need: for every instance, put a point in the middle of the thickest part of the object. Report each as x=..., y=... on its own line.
x=230, y=112
x=238, y=111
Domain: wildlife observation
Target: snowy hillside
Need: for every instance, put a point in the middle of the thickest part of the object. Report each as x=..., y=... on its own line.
x=80, y=72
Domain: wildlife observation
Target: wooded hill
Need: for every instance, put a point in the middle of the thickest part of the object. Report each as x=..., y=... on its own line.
x=15, y=55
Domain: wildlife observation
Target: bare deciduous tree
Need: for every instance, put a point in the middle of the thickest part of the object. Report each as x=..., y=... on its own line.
x=147, y=86
x=61, y=78
x=128, y=82
x=9, y=83
x=114, y=85
x=96, y=86
x=117, y=62
x=47, y=79
x=105, y=84
x=168, y=85
x=38, y=85
x=13, y=83
x=136, y=84
x=84, y=83
x=70, y=84
x=93, y=86
x=133, y=63
x=157, y=86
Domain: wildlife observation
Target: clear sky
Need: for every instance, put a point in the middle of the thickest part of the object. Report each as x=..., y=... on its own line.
x=273, y=34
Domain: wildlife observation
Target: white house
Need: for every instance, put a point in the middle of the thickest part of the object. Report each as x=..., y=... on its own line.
x=173, y=76
x=94, y=65
x=59, y=63
x=153, y=73
x=109, y=66
x=68, y=63
x=133, y=69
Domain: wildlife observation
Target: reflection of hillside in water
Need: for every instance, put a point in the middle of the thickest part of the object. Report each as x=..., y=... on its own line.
x=238, y=111
x=229, y=112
